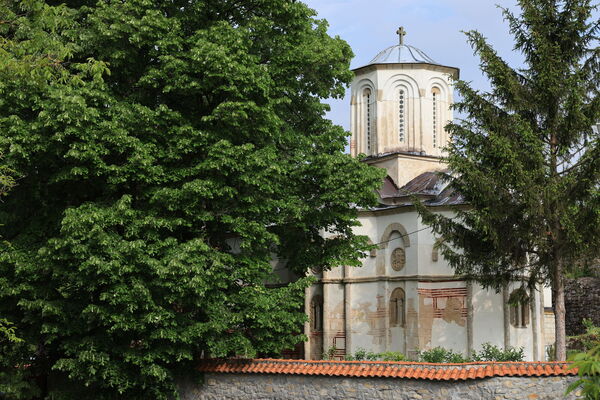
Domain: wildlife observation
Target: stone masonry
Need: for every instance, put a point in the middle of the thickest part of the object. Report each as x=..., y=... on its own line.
x=582, y=300
x=218, y=386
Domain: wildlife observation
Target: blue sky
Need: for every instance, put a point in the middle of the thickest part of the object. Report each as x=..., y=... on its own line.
x=434, y=26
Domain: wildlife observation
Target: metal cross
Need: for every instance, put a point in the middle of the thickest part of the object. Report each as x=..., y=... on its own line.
x=401, y=32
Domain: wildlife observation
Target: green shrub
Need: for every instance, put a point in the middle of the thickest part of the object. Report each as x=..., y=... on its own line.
x=590, y=328
x=330, y=353
x=391, y=356
x=490, y=352
x=586, y=341
x=440, y=355
x=361, y=354
x=588, y=364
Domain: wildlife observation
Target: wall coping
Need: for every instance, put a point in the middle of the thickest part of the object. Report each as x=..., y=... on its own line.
x=389, y=369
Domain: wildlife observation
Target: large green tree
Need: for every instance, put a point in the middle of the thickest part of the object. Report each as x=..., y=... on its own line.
x=525, y=157
x=166, y=151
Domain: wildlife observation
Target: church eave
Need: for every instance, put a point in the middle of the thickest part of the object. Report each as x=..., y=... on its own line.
x=409, y=207
x=382, y=156
x=436, y=67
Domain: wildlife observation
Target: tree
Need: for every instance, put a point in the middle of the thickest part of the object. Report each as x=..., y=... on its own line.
x=165, y=152
x=6, y=180
x=525, y=157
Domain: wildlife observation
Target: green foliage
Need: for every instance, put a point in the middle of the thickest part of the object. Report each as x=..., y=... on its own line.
x=440, y=355
x=329, y=354
x=586, y=341
x=6, y=180
x=590, y=328
x=391, y=356
x=588, y=365
x=490, y=352
x=525, y=157
x=165, y=152
x=361, y=355
x=15, y=376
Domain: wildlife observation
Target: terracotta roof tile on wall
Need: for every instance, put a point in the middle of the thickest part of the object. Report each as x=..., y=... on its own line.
x=382, y=369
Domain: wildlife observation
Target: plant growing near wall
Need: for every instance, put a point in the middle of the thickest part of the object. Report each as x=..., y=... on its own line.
x=490, y=352
x=361, y=354
x=329, y=354
x=587, y=340
x=588, y=365
x=391, y=356
x=440, y=355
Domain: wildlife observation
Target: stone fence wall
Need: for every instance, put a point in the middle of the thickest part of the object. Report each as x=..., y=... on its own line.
x=294, y=387
x=285, y=379
x=582, y=300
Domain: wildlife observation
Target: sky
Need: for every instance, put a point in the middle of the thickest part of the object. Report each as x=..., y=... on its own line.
x=433, y=26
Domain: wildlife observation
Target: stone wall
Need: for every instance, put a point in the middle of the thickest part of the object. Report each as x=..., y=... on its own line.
x=582, y=300
x=218, y=386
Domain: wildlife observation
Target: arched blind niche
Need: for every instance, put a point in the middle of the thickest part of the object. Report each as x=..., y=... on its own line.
x=435, y=116
x=397, y=308
x=402, y=114
x=368, y=119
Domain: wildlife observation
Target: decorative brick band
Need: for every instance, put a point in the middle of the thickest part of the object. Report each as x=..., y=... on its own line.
x=381, y=369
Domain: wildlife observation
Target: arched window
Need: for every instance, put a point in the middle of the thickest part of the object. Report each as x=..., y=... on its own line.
x=519, y=309
x=397, y=306
x=316, y=313
x=368, y=107
x=401, y=115
x=435, y=116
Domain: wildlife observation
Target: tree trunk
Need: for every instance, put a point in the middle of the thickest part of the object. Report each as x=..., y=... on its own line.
x=559, y=313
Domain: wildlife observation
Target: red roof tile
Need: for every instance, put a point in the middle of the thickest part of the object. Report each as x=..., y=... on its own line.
x=388, y=369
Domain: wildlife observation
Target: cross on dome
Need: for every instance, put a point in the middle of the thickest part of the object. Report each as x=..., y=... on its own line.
x=401, y=32
x=402, y=53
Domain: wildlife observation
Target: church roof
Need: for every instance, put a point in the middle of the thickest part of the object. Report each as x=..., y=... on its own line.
x=430, y=186
x=402, y=54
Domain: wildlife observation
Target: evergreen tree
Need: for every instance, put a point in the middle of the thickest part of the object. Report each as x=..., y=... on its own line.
x=525, y=157
x=165, y=151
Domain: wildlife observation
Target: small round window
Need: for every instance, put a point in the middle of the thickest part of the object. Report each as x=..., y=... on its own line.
x=398, y=259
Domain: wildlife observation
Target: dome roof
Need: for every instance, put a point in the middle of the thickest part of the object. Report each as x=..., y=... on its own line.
x=402, y=53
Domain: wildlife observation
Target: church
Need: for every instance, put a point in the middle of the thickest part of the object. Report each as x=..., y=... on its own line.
x=405, y=297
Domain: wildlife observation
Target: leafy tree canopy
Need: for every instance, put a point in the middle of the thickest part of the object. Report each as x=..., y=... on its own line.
x=526, y=158
x=165, y=152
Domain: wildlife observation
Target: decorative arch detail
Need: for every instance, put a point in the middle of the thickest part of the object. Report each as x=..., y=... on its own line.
x=397, y=307
x=519, y=308
x=398, y=81
x=316, y=313
x=395, y=227
x=441, y=85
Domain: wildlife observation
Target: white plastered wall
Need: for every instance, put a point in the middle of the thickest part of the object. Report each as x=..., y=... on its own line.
x=385, y=80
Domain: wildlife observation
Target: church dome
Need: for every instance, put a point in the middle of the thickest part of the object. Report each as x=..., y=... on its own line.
x=402, y=53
